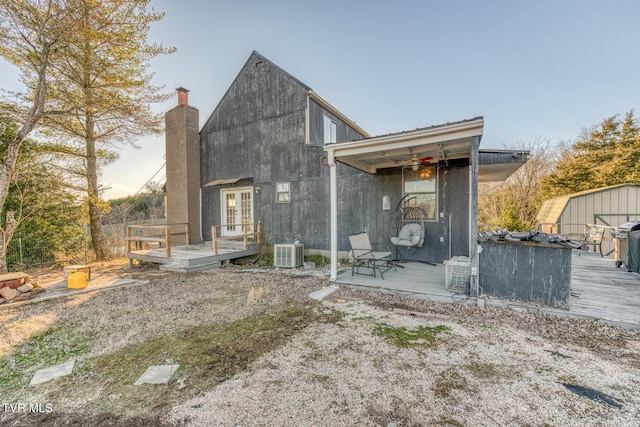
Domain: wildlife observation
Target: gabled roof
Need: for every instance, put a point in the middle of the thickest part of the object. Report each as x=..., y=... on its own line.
x=552, y=209
x=312, y=95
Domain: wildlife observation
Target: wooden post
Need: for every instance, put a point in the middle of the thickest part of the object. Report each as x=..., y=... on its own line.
x=129, y=246
x=167, y=235
x=246, y=238
x=186, y=232
x=214, y=239
x=259, y=232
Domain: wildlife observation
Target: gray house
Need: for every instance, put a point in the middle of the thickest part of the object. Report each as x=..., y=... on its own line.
x=274, y=153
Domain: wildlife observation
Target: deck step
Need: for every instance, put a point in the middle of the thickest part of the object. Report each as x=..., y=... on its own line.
x=190, y=268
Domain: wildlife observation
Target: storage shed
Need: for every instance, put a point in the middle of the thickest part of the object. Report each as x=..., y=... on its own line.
x=608, y=206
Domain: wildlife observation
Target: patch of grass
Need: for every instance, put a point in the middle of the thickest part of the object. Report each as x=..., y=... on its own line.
x=424, y=336
x=55, y=346
x=449, y=422
x=207, y=354
x=569, y=379
x=220, y=349
x=482, y=370
x=267, y=257
x=317, y=259
x=447, y=381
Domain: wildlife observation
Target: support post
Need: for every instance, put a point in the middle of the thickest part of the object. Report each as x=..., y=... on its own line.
x=214, y=240
x=245, y=238
x=186, y=233
x=128, y=238
x=474, y=285
x=333, y=184
x=167, y=235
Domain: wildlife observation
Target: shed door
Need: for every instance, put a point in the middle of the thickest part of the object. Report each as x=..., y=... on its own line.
x=237, y=211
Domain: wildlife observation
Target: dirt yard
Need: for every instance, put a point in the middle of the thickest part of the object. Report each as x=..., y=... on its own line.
x=253, y=349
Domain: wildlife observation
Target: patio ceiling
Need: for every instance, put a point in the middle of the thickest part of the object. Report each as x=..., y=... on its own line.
x=430, y=145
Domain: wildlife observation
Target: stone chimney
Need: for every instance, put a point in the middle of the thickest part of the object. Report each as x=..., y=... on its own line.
x=182, y=153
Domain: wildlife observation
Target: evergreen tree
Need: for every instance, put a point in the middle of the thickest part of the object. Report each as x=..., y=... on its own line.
x=109, y=90
x=606, y=155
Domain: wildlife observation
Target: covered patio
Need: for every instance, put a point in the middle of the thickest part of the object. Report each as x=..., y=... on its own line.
x=453, y=148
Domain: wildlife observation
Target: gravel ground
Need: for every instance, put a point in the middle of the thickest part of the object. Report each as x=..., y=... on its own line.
x=491, y=367
x=480, y=373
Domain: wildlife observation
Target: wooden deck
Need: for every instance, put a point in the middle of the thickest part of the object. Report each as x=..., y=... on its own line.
x=599, y=290
x=196, y=257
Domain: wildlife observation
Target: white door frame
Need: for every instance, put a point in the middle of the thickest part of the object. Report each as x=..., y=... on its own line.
x=234, y=211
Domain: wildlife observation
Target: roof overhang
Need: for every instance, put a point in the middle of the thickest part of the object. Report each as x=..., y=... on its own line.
x=496, y=172
x=498, y=165
x=223, y=182
x=431, y=145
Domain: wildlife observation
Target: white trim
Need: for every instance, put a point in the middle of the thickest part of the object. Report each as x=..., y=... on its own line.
x=223, y=208
x=333, y=110
x=333, y=188
x=200, y=213
x=409, y=139
x=329, y=130
x=307, y=125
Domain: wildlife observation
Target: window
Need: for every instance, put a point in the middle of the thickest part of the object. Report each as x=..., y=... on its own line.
x=330, y=130
x=283, y=192
x=422, y=188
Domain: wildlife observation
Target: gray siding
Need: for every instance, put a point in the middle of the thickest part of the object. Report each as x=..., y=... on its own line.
x=526, y=272
x=258, y=132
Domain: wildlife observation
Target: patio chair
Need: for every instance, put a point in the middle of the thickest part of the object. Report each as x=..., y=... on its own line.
x=411, y=236
x=592, y=236
x=363, y=256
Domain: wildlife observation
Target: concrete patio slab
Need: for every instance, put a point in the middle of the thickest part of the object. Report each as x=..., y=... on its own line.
x=46, y=374
x=157, y=374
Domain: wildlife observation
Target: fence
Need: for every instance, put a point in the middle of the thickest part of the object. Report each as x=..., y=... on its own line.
x=29, y=254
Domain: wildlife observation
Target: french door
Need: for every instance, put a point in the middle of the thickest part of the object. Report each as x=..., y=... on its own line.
x=237, y=210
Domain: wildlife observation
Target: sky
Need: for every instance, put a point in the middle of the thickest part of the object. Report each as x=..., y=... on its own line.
x=532, y=69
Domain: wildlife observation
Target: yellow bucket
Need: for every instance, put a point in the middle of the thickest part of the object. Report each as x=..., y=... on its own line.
x=77, y=280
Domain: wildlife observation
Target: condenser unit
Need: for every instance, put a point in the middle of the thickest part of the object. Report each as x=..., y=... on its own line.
x=289, y=255
x=456, y=274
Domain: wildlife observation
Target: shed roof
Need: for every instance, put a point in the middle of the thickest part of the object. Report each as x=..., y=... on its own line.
x=552, y=209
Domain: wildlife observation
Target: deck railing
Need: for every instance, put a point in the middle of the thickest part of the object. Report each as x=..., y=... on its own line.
x=160, y=234
x=249, y=231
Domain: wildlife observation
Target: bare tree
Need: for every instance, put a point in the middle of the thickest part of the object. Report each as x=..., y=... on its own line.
x=514, y=203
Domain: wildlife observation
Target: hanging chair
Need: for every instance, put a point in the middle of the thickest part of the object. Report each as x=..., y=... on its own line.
x=407, y=229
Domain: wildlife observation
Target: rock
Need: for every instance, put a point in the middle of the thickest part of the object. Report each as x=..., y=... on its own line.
x=25, y=288
x=8, y=293
x=2, y=300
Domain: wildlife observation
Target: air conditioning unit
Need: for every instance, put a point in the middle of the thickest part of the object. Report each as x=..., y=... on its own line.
x=289, y=255
x=456, y=274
